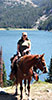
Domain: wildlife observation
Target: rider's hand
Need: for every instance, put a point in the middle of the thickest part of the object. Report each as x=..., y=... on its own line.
x=19, y=54
x=23, y=53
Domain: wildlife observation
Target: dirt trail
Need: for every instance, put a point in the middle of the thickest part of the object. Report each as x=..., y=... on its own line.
x=39, y=91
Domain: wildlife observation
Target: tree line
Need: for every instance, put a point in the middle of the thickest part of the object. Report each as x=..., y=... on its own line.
x=20, y=16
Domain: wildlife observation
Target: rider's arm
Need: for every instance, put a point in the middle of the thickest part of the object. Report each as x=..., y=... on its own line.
x=18, y=46
x=29, y=46
x=18, y=52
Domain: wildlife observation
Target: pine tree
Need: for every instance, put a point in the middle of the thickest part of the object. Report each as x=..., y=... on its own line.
x=4, y=76
x=49, y=79
x=50, y=71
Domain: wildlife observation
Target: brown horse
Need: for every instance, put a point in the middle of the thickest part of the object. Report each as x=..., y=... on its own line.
x=23, y=69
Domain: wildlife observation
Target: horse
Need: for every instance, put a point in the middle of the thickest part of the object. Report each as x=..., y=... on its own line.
x=35, y=75
x=22, y=69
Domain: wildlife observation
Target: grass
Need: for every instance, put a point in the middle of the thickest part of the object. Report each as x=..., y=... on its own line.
x=41, y=86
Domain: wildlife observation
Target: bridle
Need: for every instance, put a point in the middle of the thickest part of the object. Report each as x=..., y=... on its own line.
x=39, y=62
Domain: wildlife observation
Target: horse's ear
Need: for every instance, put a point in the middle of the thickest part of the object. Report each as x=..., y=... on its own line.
x=42, y=55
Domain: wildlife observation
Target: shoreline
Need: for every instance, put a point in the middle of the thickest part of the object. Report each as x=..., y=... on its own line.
x=14, y=29
x=1, y=29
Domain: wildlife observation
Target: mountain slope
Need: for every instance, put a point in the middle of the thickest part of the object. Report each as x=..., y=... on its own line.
x=15, y=14
x=23, y=13
x=23, y=2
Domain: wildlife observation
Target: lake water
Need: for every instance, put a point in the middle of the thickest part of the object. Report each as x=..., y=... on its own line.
x=41, y=42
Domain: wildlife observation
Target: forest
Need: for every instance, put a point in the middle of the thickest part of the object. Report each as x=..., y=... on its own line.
x=17, y=15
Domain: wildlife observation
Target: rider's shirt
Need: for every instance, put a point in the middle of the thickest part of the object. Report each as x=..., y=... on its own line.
x=23, y=44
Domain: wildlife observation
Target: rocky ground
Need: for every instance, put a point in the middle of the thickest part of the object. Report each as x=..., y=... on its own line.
x=39, y=91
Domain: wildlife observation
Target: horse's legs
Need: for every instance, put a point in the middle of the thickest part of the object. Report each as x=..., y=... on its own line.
x=29, y=98
x=21, y=89
x=28, y=87
x=16, y=90
x=25, y=85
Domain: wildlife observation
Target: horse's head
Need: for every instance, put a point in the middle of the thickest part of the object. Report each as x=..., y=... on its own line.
x=41, y=64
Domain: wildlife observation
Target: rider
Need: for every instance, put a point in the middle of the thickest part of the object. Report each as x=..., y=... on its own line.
x=24, y=45
x=23, y=48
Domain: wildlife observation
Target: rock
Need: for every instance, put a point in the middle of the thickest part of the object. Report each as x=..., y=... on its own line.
x=48, y=90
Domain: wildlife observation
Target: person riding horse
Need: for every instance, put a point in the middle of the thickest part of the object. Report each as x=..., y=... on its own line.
x=24, y=48
x=23, y=71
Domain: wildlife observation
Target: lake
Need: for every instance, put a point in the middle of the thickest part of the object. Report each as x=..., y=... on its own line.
x=41, y=42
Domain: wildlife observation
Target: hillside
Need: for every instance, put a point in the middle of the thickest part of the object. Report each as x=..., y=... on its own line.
x=39, y=91
x=24, y=13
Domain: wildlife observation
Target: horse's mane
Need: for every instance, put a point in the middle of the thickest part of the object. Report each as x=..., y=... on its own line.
x=26, y=61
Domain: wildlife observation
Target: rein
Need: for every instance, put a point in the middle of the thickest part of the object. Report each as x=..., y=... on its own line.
x=39, y=61
x=40, y=73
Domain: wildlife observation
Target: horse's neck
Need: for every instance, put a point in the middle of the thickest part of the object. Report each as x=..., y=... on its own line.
x=31, y=62
x=27, y=62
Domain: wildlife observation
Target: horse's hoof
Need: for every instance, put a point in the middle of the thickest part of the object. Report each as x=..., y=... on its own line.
x=29, y=98
x=26, y=94
x=21, y=99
